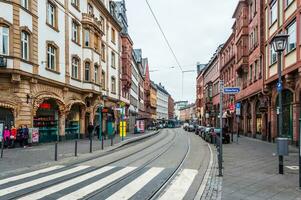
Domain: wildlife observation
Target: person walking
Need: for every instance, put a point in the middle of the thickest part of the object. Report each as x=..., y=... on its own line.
x=6, y=136
x=13, y=136
x=90, y=130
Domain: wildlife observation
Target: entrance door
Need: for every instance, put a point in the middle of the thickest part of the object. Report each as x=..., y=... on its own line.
x=6, y=117
x=287, y=110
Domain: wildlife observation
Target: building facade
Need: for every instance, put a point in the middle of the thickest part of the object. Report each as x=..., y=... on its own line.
x=171, y=108
x=200, y=106
x=153, y=101
x=188, y=113
x=178, y=106
x=61, y=58
x=162, y=102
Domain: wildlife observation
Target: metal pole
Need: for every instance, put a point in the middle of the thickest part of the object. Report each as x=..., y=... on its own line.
x=300, y=156
x=280, y=110
x=55, y=151
x=90, y=144
x=182, y=84
x=221, y=127
x=75, y=150
x=112, y=140
x=2, y=147
x=102, y=142
x=100, y=122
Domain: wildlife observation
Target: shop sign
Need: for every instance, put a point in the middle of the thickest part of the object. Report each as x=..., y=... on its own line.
x=35, y=135
x=45, y=106
x=105, y=110
x=1, y=131
x=231, y=107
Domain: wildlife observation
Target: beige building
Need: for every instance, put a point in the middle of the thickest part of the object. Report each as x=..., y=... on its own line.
x=58, y=59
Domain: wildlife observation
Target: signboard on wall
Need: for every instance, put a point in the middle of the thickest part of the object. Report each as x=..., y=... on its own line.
x=35, y=135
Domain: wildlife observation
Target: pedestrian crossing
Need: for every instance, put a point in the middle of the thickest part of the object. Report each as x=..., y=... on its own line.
x=109, y=182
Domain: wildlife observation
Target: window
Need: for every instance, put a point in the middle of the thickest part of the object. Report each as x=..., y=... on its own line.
x=24, y=4
x=251, y=73
x=96, y=74
x=96, y=42
x=103, y=80
x=25, y=45
x=113, y=60
x=291, y=31
x=75, y=3
x=75, y=68
x=288, y=2
x=4, y=40
x=113, y=82
x=51, y=57
x=274, y=13
x=103, y=52
x=273, y=55
x=90, y=9
x=255, y=70
x=51, y=12
x=75, y=32
x=113, y=36
x=87, y=71
x=87, y=37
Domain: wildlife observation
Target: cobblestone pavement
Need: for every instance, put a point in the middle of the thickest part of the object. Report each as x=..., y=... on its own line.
x=19, y=158
x=251, y=172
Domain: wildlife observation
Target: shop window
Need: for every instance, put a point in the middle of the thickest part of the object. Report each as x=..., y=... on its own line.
x=75, y=32
x=75, y=68
x=113, y=85
x=291, y=42
x=4, y=40
x=113, y=60
x=96, y=73
x=87, y=37
x=52, y=57
x=274, y=13
x=87, y=71
x=51, y=14
x=25, y=45
x=103, y=80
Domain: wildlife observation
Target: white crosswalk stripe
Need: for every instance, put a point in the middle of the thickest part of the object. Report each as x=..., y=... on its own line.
x=97, y=185
x=30, y=174
x=25, y=185
x=88, y=182
x=129, y=190
x=61, y=186
x=180, y=185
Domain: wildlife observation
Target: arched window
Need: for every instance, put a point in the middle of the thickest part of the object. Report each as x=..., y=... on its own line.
x=4, y=40
x=25, y=45
x=75, y=68
x=113, y=85
x=87, y=71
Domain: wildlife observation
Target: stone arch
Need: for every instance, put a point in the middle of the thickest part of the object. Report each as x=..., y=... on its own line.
x=73, y=102
x=275, y=95
x=45, y=96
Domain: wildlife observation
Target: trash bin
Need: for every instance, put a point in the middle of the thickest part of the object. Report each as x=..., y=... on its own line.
x=282, y=146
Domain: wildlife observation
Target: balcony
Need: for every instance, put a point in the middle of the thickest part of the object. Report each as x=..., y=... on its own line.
x=93, y=21
x=242, y=64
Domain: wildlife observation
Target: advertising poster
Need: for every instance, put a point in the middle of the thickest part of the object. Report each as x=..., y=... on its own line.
x=140, y=126
x=35, y=135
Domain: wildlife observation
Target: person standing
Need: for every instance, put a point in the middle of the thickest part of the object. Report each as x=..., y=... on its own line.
x=90, y=130
x=13, y=136
x=20, y=136
x=25, y=135
x=6, y=136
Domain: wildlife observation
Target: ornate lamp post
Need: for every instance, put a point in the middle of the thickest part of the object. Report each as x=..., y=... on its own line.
x=279, y=44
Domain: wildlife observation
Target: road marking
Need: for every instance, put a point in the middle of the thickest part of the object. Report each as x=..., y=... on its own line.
x=292, y=167
x=97, y=185
x=26, y=175
x=66, y=184
x=180, y=185
x=206, y=177
x=132, y=188
x=40, y=180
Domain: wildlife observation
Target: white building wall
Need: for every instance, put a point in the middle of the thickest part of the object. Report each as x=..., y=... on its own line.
x=6, y=12
x=162, y=105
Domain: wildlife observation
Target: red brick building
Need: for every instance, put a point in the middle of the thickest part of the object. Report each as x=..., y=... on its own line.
x=171, y=108
x=200, y=107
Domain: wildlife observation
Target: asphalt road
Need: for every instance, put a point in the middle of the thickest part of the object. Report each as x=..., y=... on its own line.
x=170, y=165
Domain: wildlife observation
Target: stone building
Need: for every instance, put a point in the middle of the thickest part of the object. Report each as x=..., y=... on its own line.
x=153, y=101
x=59, y=59
x=171, y=108
x=162, y=102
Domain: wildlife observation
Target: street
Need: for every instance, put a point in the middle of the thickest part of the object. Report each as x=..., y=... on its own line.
x=169, y=165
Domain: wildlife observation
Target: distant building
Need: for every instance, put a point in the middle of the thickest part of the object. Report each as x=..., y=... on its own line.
x=153, y=101
x=188, y=113
x=179, y=105
x=162, y=102
x=171, y=108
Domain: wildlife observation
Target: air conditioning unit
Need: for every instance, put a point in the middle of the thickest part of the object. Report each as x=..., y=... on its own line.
x=3, y=61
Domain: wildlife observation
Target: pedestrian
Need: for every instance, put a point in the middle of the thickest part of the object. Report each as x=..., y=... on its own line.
x=20, y=136
x=6, y=136
x=13, y=136
x=25, y=132
x=90, y=130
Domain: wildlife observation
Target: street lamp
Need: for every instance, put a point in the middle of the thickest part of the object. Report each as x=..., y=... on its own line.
x=279, y=43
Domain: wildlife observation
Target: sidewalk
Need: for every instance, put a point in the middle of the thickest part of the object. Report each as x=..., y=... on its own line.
x=26, y=157
x=251, y=172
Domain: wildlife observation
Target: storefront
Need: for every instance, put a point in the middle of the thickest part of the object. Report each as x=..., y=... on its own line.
x=258, y=120
x=72, y=125
x=46, y=120
x=6, y=117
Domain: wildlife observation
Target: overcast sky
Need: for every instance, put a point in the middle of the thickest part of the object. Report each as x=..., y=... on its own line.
x=194, y=29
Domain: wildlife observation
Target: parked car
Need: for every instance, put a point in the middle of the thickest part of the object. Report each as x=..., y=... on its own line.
x=185, y=126
x=226, y=136
x=191, y=128
x=206, y=133
x=200, y=130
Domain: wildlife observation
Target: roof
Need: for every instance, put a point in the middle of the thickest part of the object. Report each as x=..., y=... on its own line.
x=162, y=88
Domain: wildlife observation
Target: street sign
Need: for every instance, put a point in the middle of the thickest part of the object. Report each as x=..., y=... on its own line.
x=279, y=86
x=231, y=90
x=237, y=109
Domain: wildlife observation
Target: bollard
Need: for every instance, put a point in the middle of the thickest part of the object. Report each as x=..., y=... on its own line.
x=75, y=150
x=232, y=136
x=90, y=144
x=102, y=142
x=112, y=140
x=55, y=151
x=2, y=147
